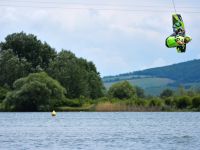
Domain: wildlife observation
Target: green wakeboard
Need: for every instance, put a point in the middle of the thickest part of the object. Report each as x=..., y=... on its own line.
x=178, y=23
x=179, y=27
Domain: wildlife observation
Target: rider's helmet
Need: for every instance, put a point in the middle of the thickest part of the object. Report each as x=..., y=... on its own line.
x=187, y=39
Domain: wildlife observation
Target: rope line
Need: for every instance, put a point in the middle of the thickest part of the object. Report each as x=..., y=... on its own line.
x=138, y=9
x=6, y=2
x=174, y=5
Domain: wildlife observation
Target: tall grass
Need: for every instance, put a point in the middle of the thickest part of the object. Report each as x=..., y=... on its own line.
x=131, y=106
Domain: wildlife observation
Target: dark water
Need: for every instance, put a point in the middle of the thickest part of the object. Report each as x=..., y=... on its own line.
x=100, y=131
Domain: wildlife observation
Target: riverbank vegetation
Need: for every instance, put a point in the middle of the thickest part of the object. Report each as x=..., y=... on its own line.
x=35, y=77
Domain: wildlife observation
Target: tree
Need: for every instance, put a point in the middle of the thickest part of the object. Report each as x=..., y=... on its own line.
x=166, y=93
x=78, y=76
x=3, y=93
x=122, y=90
x=169, y=101
x=183, y=102
x=181, y=91
x=30, y=48
x=11, y=68
x=95, y=85
x=196, y=102
x=35, y=92
x=155, y=102
x=139, y=92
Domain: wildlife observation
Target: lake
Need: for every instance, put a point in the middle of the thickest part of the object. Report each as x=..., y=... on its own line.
x=100, y=131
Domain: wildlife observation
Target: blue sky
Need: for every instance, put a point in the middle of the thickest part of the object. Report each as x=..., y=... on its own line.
x=118, y=36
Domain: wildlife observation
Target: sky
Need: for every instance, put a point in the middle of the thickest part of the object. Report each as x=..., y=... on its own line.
x=119, y=36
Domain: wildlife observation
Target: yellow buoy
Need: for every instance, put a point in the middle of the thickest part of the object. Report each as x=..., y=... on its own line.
x=53, y=113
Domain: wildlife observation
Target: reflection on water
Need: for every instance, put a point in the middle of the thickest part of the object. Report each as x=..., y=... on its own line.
x=100, y=131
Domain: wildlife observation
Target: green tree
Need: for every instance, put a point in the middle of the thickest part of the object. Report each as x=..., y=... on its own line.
x=166, y=93
x=183, y=102
x=139, y=92
x=122, y=90
x=78, y=76
x=181, y=91
x=30, y=48
x=35, y=92
x=169, y=101
x=95, y=85
x=3, y=93
x=155, y=102
x=196, y=102
x=11, y=68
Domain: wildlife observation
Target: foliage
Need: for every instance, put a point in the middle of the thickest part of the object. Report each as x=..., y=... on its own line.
x=186, y=73
x=168, y=101
x=71, y=102
x=12, y=68
x=3, y=93
x=181, y=91
x=183, y=102
x=78, y=76
x=166, y=93
x=35, y=92
x=122, y=90
x=24, y=53
x=139, y=92
x=141, y=102
x=196, y=102
x=155, y=102
x=30, y=48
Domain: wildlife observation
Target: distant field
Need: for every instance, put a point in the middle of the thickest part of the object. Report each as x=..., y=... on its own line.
x=154, y=80
x=146, y=82
x=152, y=86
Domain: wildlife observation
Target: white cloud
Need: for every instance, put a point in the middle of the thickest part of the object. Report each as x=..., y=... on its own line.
x=159, y=62
x=116, y=41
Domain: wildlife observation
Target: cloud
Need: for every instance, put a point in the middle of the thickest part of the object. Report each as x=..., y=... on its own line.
x=116, y=41
x=159, y=62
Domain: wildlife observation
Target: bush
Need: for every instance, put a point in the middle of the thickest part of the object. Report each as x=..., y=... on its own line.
x=196, y=102
x=140, y=102
x=155, y=102
x=169, y=101
x=121, y=90
x=71, y=103
x=140, y=92
x=166, y=93
x=3, y=93
x=35, y=92
x=183, y=102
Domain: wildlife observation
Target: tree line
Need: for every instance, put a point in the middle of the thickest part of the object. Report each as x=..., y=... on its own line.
x=127, y=97
x=34, y=76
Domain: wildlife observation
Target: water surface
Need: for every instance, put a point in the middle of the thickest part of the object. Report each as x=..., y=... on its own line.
x=100, y=131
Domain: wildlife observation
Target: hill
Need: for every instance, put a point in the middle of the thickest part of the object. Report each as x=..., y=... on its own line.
x=154, y=80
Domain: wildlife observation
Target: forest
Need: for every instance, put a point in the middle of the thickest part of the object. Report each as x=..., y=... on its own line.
x=36, y=77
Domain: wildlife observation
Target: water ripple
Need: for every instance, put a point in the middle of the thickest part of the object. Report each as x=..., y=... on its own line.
x=100, y=131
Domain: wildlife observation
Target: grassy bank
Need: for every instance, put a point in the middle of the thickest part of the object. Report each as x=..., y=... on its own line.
x=105, y=104
x=155, y=104
x=120, y=107
x=76, y=109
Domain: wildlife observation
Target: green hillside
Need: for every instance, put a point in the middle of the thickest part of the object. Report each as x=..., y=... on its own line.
x=155, y=80
x=182, y=73
x=151, y=86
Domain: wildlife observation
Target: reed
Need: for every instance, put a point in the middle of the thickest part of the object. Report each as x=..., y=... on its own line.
x=116, y=107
